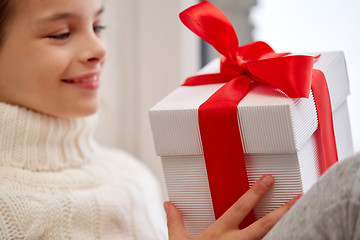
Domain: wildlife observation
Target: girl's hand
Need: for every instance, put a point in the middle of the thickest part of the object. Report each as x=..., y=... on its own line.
x=226, y=227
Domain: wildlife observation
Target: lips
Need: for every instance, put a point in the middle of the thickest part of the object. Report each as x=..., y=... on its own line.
x=81, y=80
x=88, y=81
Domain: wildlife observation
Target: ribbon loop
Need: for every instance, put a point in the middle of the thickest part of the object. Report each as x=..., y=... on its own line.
x=212, y=25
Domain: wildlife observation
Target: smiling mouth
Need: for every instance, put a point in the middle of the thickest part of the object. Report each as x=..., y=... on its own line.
x=82, y=80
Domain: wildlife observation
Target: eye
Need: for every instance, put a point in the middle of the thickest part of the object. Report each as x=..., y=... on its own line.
x=61, y=36
x=99, y=28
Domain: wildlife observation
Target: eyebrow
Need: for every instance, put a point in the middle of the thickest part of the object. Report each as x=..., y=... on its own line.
x=64, y=15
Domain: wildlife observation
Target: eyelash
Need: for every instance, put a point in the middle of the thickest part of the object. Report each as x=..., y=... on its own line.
x=97, y=29
x=62, y=36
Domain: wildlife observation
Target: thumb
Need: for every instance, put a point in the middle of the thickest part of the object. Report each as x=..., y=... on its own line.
x=175, y=223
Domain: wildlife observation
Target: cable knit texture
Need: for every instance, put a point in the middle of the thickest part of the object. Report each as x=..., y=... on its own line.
x=57, y=183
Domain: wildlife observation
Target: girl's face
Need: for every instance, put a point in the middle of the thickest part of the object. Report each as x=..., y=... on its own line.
x=52, y=56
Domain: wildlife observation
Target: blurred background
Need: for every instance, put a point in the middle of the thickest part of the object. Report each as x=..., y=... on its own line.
x=151, y=53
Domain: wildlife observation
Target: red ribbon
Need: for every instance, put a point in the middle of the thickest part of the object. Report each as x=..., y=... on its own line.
x=240, y=67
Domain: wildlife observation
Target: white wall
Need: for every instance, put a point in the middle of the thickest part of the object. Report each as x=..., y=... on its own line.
x=313, y=26
x=150, y=53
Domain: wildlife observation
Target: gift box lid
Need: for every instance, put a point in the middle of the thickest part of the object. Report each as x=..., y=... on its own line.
x=269, y=121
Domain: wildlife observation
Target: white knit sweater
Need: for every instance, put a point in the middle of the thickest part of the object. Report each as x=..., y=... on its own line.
x=57, y=183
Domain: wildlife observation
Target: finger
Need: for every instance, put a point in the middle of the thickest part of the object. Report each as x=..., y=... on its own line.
x=260, y=228
x=175, y=222
x=238, y=211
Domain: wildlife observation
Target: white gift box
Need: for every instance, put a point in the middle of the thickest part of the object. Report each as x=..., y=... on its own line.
x=278, y=134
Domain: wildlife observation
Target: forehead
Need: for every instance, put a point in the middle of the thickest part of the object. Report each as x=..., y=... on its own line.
x=38, y=9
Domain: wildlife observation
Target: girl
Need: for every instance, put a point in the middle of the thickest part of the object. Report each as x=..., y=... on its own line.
x=56, y=182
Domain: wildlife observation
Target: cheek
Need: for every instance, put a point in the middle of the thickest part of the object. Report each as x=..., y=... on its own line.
x=52, y=63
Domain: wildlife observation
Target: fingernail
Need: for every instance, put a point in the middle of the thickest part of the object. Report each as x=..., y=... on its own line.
x=294, y=200
x=166, y=207
x=267, y=180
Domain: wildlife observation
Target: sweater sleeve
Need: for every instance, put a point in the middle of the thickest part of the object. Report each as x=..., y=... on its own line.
x=329, y=210
x=147, y=218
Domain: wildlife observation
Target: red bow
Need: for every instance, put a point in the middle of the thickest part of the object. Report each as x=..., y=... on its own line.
x=256, y=61
x=240, y=66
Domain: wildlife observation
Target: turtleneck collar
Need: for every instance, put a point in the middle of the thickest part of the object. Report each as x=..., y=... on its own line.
x=39, y=142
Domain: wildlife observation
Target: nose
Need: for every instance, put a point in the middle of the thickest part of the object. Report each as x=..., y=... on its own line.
x=94, y=49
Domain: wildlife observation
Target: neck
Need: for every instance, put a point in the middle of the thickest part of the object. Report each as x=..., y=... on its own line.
x=38, y=142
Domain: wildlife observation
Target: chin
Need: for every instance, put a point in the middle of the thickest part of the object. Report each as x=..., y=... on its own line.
x=87, y=113
x=80, y=112
x=72, y=111
x=81, y=109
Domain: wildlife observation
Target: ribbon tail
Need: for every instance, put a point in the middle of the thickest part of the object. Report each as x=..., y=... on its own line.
x=328, y=152
x=223, y=151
